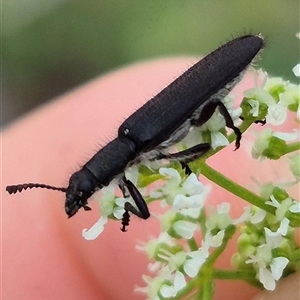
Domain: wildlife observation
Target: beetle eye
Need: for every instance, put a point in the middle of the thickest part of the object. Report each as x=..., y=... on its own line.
x=85, y=186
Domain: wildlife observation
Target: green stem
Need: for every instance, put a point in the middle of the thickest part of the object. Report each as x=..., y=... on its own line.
x=294, y=218
x=234, y=188
x=203, y=281
x=295, y=256
x=208, y=290
x=247, y=275
x=202, y=221
x=234, y=275
x=192, y=244
x=292, y=147
x=207, y=267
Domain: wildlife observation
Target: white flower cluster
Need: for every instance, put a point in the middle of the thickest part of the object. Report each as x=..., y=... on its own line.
x=263, y=248
x=278, y=95
x=176, y=264
x=277, y=98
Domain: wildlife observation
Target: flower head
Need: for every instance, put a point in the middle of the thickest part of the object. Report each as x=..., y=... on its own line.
x=270, y=268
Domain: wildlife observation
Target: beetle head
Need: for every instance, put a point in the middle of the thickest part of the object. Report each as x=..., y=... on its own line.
x=78, y=192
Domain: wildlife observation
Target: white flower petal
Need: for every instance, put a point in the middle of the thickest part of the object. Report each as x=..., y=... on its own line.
x=266, y=278
x=284, y=226
x=179, y=281
x=287, y=136
x=191, y=212
x=263, y=255
x=259, y=95
x=272, y=82
x=118, y=212
x=258, y=216
x=175, y=176
x=191, y=268
x=121, y=201
x=217, y=239
x=185, y=229
x=273, y=238
x=132, y=174
x=193, y=186
x=95, y=230
x=295, y=207
x=215, y=123
x=262, y=142
x=219, y=218
x=278, y=264
x=192, y=265
x=276, y=114
x=255, y=107
x=296, y=70
x=245, y=216
x=218, y=139
x=107, y=200
x=168, y=291
x=181, y=201
x=273, y=202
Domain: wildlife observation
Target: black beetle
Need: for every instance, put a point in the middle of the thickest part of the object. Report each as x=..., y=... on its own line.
x=164, y=120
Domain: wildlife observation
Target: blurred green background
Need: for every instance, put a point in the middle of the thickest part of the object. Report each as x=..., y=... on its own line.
x=49, y=47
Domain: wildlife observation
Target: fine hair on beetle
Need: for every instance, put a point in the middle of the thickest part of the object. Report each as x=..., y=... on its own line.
x=189, y=101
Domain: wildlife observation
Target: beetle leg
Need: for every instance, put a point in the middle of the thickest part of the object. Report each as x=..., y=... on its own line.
x=142, y=209
x=208, y=111
x=186, y=156
x=261, y=122
x=125, y=220
x=186, y=168
x=229, y=124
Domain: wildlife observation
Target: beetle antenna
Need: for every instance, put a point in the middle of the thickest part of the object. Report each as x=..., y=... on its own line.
x=12, y=189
